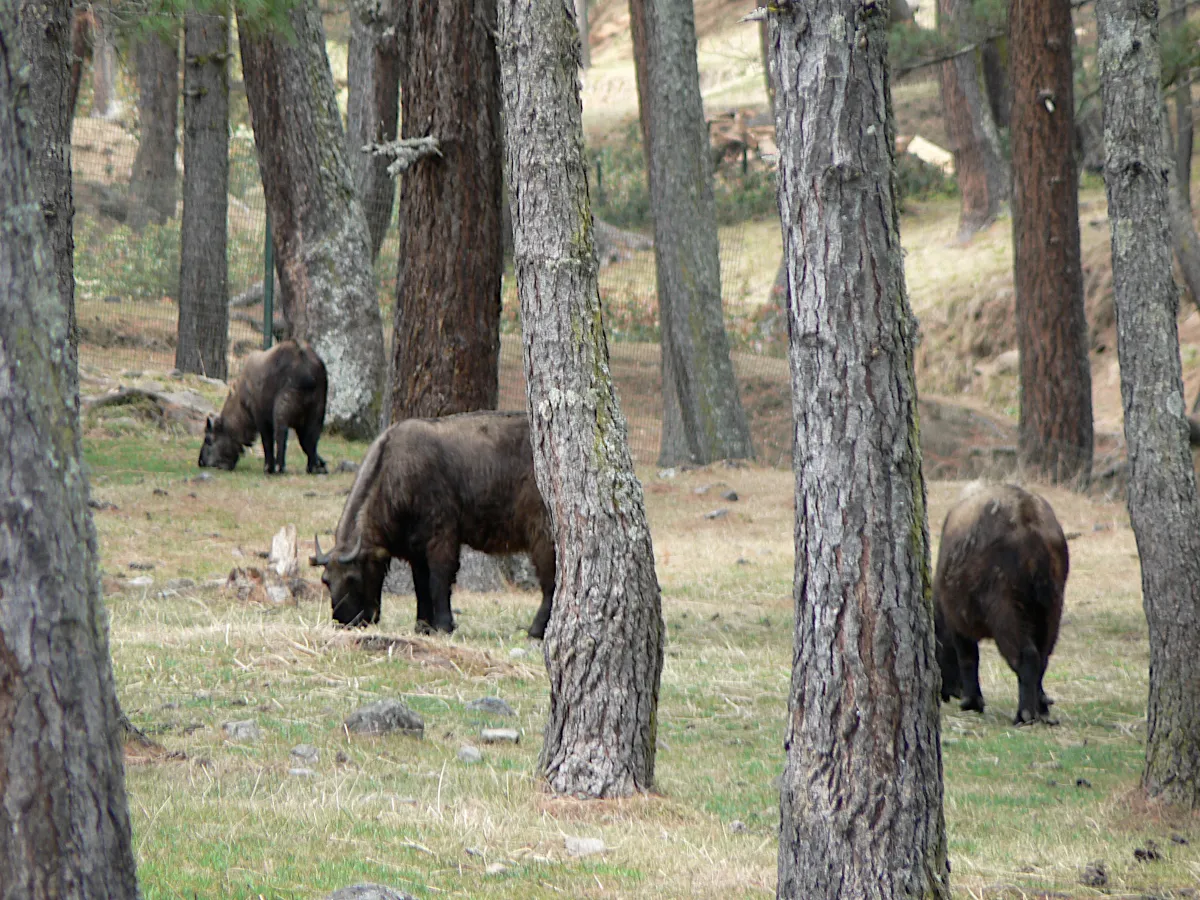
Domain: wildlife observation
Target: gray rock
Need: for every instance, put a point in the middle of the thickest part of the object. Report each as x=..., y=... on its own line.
x=469, y=754
x=518, y=652
x=245, y=730
x=737, y=827
x=730, y=495
x=495, y=869
x=384, y=716
x=306, y=753
x=179, y=584
x=577, y=846
x=140, y=581
x=301, y=772
x=369, y=892
x=345, y=466
x=499, y=735
x=491, y=705
x=1094, y=874
x=716, y=514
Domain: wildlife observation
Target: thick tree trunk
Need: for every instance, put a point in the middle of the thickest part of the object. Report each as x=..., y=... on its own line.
x=1184, y=240
x=604, y=645
x=983, y=177
x=1056, y=383
x=861, y=800
x=203, y=291
x=153, y=191
x=1176, y=12
x=1163, y=505
x=322, y=247
x=104, y=67
x=373, y=105
x=446, y=344
x=703, y=419
x=996, y=80
x=64, y=818
x=83, y=25
x=46, y=44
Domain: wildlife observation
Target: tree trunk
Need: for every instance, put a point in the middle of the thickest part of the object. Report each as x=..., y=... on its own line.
x=581, y=18
x=46, y=44
x=373, y=105
x=203, y=290
x=604, y=645
x=1176, y=12
x=152, y=186
x=996, y=81
x=703, y=419
x=322, y=246
x=104, y=68
x=64, y=818
x=983, y=177
x=1055, y=439
x=1163, y=505
x=861, y=799
x=1184, y=240
x=83, y=26
x=446, y=344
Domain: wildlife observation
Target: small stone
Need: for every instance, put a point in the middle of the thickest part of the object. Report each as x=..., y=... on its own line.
x=667, y=473
x=245, y=730
x=737, y=827
x=742, y=561
x=730, y=495
x=179, y=584
x=345, y=466
x=170, y=704
x=306, y=753
x=102, y=505
x=496, y=869
x=141, y=581
x=702, y=490
x=202, y=696
x=301, y=772
x=384, y=716
x=498, y=735
x=1179, y=839
x=141, y=566
x=491, y=705
x=577, y=846
x=342, y=758
x=716, y=514
x=469, y=755
x=1082, y=783
x=518, y=652
x=368, y=892
x=159, y=492
x=112, y=298
x=1094, y=874
x=1149, y=853
x=203, y=476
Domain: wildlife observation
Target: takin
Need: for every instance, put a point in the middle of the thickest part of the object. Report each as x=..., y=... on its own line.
x=1002, y=568
x=426, y=487
x=280, y=388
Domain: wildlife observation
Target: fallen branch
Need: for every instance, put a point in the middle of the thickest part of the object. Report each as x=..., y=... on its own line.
x=404, y=153
x=252, y=296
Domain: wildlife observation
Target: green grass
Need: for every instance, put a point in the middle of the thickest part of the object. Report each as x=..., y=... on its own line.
x=229, y=819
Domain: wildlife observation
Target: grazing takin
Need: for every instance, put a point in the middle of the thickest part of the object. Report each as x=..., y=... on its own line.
x=426, y=487
x=1001, y=571
x=280, y=388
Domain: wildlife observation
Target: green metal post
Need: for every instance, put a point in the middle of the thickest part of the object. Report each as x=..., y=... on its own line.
x=268, y=287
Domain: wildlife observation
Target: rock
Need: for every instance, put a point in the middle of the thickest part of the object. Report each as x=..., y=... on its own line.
x=716, y=514
x=1149, y=853
x=369, y=892
x=491, y=705
x=142, y=566
x=667, y=473
x=301, y=772
x=345, y=466
x=141, y=581
x=284, y=558
x=730, y=495
x=383, y=717
x=577, y=846
x=468, y=754
x=499, y=735
x=518, y=652
x=702, y=490
x=102, y=505
x=495, y=869
x=246, y=730
x=179, y=584
x=1094, y=874
x=737, y=827
x=203, y=476
x=306, y=753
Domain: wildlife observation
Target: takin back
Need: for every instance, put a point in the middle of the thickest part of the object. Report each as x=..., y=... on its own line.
x=280, y=388
x=426, y=487
x=1002, y=568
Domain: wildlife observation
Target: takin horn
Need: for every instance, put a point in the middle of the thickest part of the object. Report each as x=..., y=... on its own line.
x=350, y=557
x=322, y=558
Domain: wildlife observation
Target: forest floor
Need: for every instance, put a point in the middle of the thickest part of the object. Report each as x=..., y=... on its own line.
x=1027, y=810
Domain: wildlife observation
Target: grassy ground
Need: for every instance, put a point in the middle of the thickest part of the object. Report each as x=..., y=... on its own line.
x=1026, y=809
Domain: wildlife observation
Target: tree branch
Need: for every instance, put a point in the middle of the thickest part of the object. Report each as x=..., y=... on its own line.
x=404, y=152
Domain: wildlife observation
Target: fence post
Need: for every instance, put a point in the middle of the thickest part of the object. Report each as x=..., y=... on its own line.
x=268, y=286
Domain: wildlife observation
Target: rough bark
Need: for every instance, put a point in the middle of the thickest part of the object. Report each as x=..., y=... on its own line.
x=203, y=270
x=1176, y=12
x=703, y=419
x=1055, y=439
x=581, y=17
x=996, y=80
x=1163, y=505
x=604, y=644
x=446, y=344
x=322, y=247
x=46, y=44
x=861, y=799
x=64, y=818
x=83, y=23
x=153, y=188
x=979, y=165
x=1184, y=240
x=104, y=68
x=373, y=105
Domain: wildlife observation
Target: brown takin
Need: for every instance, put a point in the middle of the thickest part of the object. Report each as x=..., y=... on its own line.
x=280, y=388
x=1002, y=568
x=426, y=487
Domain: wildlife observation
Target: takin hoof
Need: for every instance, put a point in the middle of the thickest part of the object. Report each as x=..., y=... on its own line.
x=424, y=627
x=972, y=704
x=1025, y=717
x=318, y=468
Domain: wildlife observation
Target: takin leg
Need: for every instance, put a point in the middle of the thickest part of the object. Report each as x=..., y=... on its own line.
x=420, y=576
x=267, y=433
x=309, y=434
x=543, y=564
x=1022, y=656
x=968, y=669
x=443, y=569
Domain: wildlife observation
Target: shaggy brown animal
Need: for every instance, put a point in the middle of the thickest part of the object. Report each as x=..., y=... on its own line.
x=426, y=487
x=1002, y=568
x=280, y=388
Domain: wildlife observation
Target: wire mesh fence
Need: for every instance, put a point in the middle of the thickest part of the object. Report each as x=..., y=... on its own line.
x=127, y=289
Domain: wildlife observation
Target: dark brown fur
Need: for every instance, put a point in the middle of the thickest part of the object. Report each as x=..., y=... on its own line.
x=425, y=487
x=280, y=388
x=1002, y=568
